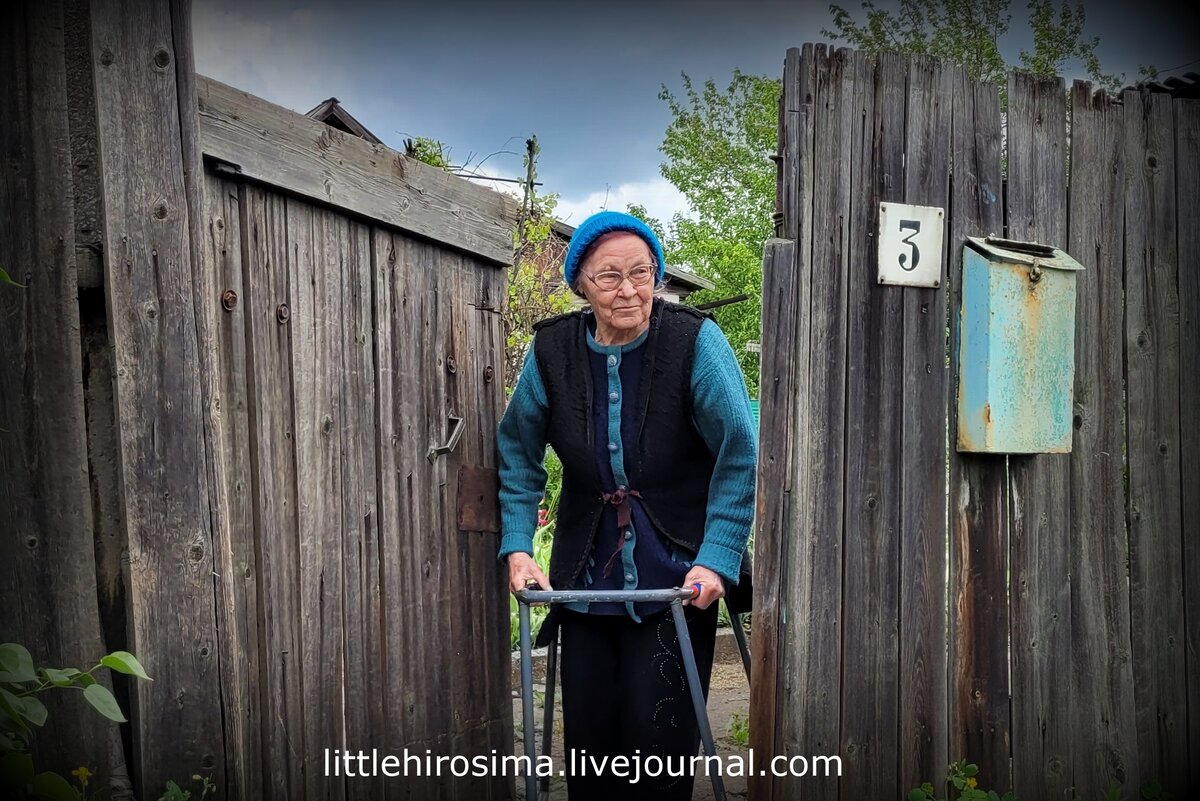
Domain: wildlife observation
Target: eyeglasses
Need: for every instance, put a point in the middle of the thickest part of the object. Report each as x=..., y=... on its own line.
x=639, y=276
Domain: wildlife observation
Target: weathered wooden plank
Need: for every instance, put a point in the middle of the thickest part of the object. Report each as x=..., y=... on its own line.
x=1039, y=557
x=818, y=547
x=273, y=481
x=315, y=242
x=451, y=545
x=234, y=531
x=365, y=682
x=430, y=586
x=493, y=610
x=1187, y=183
x=220, y=349
x=780, y=317
x=386, y=282
x=47, y=563
x=413, y=586
x=804, y=721
x=1152, y=386
x=870, y=670
x=780, y=330
x=149, y=275
x=471, y=557
x=925, y=378
x=1103, y=694
x=287, y=150
x=978, y=592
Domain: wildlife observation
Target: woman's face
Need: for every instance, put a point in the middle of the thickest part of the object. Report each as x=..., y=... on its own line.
x=627, y=307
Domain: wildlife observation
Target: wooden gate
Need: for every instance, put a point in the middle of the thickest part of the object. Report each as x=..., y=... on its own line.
x=358, y=616
x=1035, y=614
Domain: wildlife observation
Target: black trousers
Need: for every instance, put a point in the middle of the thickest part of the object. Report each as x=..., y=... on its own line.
x=625, y=693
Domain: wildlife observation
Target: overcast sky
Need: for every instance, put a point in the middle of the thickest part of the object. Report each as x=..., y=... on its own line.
x=585, y=77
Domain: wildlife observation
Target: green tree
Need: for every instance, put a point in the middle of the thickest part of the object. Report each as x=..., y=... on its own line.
x=717, y=150
x=967, y=33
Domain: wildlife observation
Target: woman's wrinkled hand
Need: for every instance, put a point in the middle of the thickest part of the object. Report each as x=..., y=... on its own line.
x=523, y=570
x=712, y=587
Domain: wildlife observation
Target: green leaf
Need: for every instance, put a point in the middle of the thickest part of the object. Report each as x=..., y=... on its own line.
x=917, y=794
x=16, y=769
x=14, y=709
x=13, y=728
x=52, y=787
x=35, y=710
x=175, y=793
x=16, y=663
x=125, y=662
x=5, y=279
x=971, y=770
x=60, y=678
x=99, y=697
x=85, y=680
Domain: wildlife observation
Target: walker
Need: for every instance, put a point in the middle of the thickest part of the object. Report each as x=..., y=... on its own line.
x=673, y=596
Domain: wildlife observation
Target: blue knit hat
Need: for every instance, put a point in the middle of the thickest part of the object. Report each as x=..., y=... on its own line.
x=605, y=222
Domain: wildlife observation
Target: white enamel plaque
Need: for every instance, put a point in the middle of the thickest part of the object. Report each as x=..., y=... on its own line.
x=910, y=244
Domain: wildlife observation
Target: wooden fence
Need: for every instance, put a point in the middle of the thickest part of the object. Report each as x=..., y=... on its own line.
x=1037, y=615
x=241, y=333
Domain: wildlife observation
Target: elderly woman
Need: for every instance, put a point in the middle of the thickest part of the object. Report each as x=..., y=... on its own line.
x=645, y=405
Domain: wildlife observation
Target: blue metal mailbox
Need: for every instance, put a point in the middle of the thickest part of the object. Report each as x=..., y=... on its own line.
x=1016, y=357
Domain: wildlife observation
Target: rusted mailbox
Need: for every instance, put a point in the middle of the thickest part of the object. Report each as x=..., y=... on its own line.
x=1016, y=357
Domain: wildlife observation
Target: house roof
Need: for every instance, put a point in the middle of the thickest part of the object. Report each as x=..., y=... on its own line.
x=332, y=113
x=1180, y=88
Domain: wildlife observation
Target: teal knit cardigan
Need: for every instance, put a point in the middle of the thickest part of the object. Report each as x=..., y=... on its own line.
x=723, y=417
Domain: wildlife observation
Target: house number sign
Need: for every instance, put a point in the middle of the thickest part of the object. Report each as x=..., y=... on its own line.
x=910, y=245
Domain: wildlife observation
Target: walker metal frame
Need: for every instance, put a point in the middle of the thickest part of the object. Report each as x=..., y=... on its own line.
x=675, y=597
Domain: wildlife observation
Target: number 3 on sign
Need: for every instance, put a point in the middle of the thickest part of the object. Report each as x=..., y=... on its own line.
x=910, y=245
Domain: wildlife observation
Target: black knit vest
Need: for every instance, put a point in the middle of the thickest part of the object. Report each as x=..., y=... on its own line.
x=670, y=466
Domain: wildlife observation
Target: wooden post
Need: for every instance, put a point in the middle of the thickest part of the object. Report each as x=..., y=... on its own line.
x=978, y=592
x=922, y=469
x=1152, y=383
x=1102, y=680
x=47, y=564
x=1039, y=484
x=870, y=692
x=1187, y=179
x=150, y=275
